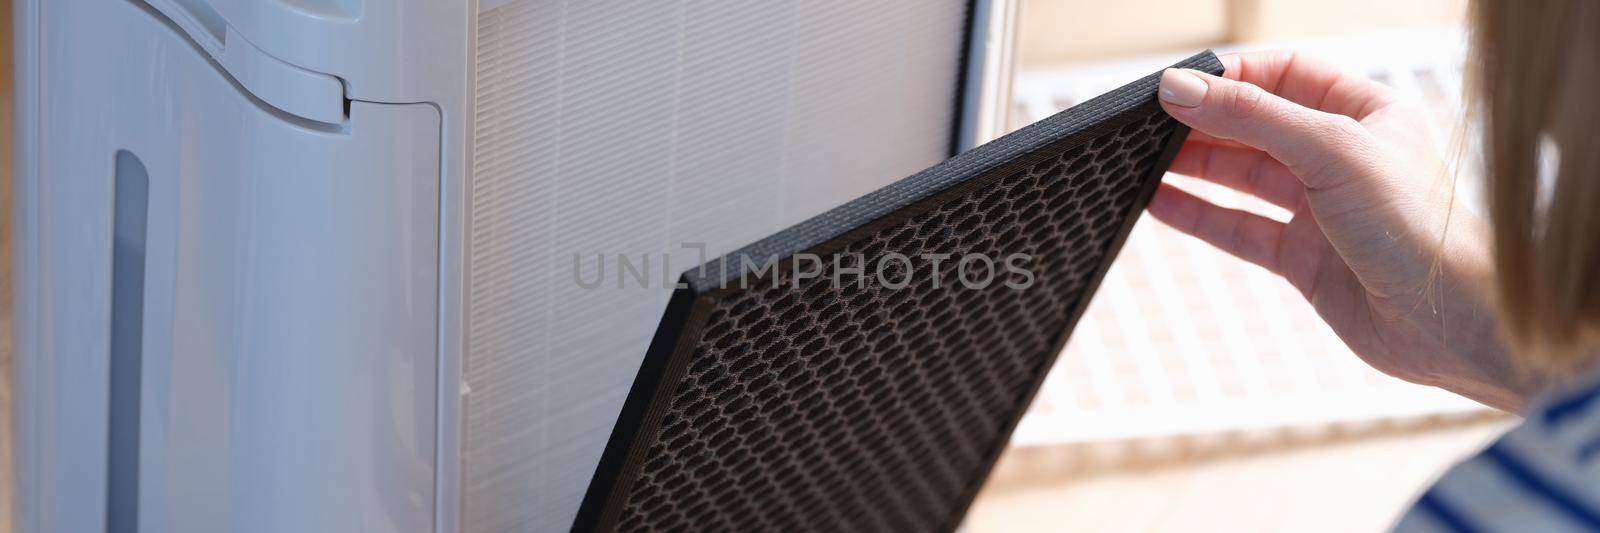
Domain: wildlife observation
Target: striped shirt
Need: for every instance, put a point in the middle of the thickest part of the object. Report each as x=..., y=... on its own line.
x=1542, y=476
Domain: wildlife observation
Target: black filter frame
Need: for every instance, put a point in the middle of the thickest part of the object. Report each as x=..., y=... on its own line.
x=679, y=338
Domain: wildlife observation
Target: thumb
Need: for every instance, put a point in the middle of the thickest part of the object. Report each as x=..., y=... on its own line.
x=1320, y=148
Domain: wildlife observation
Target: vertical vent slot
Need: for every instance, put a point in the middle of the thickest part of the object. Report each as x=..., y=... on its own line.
x=130, y=210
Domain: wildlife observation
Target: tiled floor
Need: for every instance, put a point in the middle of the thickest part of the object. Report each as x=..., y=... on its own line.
x=1338, y=484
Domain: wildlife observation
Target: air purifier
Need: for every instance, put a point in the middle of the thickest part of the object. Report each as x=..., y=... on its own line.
x=326, y=265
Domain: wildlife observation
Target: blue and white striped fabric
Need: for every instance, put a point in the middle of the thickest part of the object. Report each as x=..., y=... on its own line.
x=1542, y=476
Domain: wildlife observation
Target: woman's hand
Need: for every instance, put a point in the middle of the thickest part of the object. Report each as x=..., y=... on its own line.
x=1371, y=200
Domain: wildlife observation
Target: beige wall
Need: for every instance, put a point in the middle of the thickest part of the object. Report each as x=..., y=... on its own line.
x=1061, y=31
x=1055, y=31
x=1273, y=20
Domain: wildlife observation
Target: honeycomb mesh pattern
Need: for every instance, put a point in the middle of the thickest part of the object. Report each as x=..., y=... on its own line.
x=855, y=406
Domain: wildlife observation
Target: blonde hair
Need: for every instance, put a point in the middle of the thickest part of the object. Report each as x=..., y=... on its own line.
x=1536, y=66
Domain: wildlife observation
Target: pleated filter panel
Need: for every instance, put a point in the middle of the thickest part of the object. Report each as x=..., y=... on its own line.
x=641, y=130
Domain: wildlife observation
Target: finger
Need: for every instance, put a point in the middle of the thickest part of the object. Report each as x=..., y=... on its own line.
x=1246, y=170
x=1321, y=149
x=1248, y=236
x=1308, y=81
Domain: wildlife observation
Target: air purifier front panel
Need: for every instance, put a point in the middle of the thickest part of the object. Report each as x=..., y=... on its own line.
x=227, y=314
x=862, y=371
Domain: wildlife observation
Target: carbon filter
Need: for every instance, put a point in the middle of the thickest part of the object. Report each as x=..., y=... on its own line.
x=786, y=391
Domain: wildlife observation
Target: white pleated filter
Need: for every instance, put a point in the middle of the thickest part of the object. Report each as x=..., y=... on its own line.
x=635, y=128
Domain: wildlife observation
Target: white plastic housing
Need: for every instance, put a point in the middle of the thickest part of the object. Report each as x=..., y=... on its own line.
x=290, y=316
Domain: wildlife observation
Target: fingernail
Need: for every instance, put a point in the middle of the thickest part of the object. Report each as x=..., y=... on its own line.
x=1180, y=87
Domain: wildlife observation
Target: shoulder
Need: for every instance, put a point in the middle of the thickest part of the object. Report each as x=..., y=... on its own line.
x=1544, y=475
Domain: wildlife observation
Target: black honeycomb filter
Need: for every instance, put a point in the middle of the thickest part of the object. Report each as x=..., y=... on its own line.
x=785, y=391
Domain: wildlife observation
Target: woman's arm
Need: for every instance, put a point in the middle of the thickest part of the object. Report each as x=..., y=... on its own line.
x=1376, y=243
